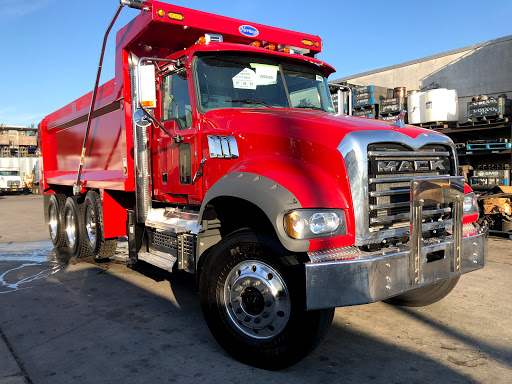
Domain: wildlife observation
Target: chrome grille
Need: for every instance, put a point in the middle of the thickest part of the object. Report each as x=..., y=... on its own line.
x=391, y=166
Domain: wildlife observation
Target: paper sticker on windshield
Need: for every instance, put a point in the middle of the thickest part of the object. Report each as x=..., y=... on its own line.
x=246, y=79
x=266, y=75
x=319, y=78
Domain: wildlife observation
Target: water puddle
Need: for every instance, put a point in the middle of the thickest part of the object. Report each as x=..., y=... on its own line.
x=35, y=251
x=21, y=284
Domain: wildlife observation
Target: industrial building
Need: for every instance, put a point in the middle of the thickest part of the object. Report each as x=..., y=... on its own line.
x=484, y=68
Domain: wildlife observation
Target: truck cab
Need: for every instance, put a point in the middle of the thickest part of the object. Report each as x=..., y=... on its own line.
x=10, y=181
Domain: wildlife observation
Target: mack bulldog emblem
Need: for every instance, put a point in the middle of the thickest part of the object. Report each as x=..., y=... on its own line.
x=409, y=166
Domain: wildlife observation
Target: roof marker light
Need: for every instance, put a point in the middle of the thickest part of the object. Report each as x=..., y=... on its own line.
x=256, y=44
x=160, y=13
x=317, y=44
x=175, y=16
x=286, y=50
x=307, y=43
x=271, y=47
x=202, y=40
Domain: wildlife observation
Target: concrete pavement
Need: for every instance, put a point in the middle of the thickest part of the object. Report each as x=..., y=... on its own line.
x=104, y=323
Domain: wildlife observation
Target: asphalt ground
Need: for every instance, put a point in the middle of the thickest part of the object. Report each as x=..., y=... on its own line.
x=65, y=321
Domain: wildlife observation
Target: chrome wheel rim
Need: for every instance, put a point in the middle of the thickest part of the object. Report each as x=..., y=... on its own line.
x=257, y=299
x=90, y=224
x=53, y=221
x=70, y=228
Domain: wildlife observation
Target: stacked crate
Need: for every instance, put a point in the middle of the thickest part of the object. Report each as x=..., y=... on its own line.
x=484, y=108
x=391, y=106
x=366, y=100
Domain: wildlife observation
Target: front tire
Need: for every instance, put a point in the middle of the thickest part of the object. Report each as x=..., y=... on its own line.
x=252, y=296
x=422, y=297
x=99, y=247
x=74, y=228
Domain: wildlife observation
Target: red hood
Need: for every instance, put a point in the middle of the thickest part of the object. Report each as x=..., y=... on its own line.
x=323, y=128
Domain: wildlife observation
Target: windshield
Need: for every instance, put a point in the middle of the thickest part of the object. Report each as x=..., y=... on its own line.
x=252, y=81
x=9, y=173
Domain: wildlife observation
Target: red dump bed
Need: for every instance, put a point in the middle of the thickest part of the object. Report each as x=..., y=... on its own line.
x=107, y=152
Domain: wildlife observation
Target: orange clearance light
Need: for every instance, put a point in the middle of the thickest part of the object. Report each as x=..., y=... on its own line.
x=202, y=40
x=286, y=50
x=175, y=16
x=256, y=44
x=160, y=13
x=307, y=42
x=317, y=44
x=271, y=47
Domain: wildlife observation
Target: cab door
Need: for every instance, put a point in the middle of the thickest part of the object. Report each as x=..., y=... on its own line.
x=177, y=161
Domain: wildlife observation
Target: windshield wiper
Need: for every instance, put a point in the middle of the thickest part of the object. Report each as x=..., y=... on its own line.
x=310, y=106
x=248, y=101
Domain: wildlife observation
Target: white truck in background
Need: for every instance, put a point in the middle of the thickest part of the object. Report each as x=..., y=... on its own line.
x=10, y=181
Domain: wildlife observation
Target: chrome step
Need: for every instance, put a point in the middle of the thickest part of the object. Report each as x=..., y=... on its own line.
x=158, y=259
x=172, y=220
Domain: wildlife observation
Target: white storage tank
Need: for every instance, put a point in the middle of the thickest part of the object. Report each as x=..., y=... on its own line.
x=414, y=103
x=440, y=105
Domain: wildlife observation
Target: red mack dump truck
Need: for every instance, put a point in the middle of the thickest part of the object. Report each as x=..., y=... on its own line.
x=216, y=151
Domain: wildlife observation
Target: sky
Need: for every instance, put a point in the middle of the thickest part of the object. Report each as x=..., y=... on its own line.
x=49, y=49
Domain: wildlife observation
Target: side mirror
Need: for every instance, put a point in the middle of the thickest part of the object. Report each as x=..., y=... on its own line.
x=146, y=86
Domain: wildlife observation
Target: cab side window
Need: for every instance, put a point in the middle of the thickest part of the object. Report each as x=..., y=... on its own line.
x=176, y=99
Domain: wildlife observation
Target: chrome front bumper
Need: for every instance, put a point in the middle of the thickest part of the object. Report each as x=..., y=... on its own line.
x=356, y=277
x=360, y=281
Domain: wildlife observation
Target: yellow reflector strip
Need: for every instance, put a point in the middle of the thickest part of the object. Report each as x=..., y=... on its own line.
x=307, y=42
x=160, y=13
x=175, y=16
x=148, y=103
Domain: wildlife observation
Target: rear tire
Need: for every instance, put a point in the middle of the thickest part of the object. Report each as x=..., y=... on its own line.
x=55, y=219
x=252, y=296
x=99, y=247
x=425, y=296
x=74, y=228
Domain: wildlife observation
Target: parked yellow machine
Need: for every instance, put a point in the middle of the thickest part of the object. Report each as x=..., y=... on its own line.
x=496, y=210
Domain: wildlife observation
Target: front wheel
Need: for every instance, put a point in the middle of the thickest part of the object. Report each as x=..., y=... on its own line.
x=425, y=296
x=252, y=297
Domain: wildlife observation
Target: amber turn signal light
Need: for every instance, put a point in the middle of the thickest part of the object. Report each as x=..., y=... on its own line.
x=175, y=16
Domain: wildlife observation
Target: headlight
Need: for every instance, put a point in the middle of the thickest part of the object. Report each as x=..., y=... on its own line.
x=470, y=204
x=315, y=223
